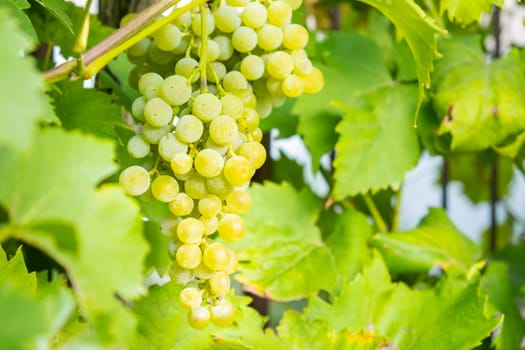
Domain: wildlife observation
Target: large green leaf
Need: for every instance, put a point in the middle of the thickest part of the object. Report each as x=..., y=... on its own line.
x=16, y=10
x=436, y=242
x=14, y=272
x=482, y=102
x=21, y=88
x=353, y=65
x=466, y=12
x=283, y=247
x=378, y=143
x=59, y=9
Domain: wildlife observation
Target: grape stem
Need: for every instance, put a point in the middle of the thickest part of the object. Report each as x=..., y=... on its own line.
x=203, y=52
x=381, y=225
x=96, y=58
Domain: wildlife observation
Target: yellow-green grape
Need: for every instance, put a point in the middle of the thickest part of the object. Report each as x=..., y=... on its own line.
x=157, y=56
x=181, y=163
x=279, y=13
x=222, y=149
x=233, y=263
x=254, y=15
x=227, y=18
x=140, y=48
x=206, y=107
x=189, y=128
x=269, y=37
x=169, y=145
x=278, y=101
x=231, y=227
x=183, y=46
x=153, y=134
x=190, y=231
x=138, y=147
x=223, y=130
x=149, y=84
x=252, y=67
x=313, y=82
x=209, y=206
x=199, y=317
x=208, y=163
x=196, y=24
x=279, y=64
x=134, y=180
x=188, y=256
x=164, y=188
x=216, y=70
x=264, y=106
x=250, y=119
x=292, y=86
x=238, y=201
x=238, y=171
x=203, y=272
x=241, y=139
x=219, y=185
x=190, y=297
x=237, y=3
x=244, y=39
x=216, y=256
x=157, y=112
x=178, y=274
x=274, y=86
x=128, y=17
x=225, y=46
x=222, y=314
x=301, y=63
x=168, y=37
x=295, y=36
x=181, y=205
x=234, y=81
x=137, y=108
x=214, y=50
x=232, y=106
x=294, y=4
x=183, y=21
x=195, y=186
x=210, y=224
x=257, y=135
x=219, y=283
x=187, y=67
x=175, y=90
x=247, y=97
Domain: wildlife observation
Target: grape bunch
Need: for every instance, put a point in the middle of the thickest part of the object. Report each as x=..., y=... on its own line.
x=206, y=79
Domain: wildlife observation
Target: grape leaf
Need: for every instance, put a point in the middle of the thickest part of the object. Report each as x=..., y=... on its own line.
x=16, y=10
x=14, y=272
x=372, y=304
x=480, y=101
x=339, y=56
x=59, y=10
x=283, y=246
x=377, y=143
x=158, y=256
x=21, y=89
x=435, y=242
x=467, y=12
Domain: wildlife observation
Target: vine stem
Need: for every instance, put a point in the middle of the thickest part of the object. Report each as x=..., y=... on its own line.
x=93, y=60
x=381, y=225
x=397, y=210
x=203, y=52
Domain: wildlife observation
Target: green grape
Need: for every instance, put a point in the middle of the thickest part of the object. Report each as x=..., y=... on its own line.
x=167, y=38
x=295, y=37
x=313, y=82
x=196, y=24
x=301, y=63
x=227, y=18
x=190, y=231
x=279, y=13
x=181, y=205
x=188, y=67
x=238, y=201
x=219, y=283
x=164, y=188
x=157, y=56
x=134, y=180
x=232, y=106
x=203, y=272
x=210, y=224
x=175, y=90
x=208, y=163
x=292, y=85
x=278, y=101
x=216, y=256
x=237, y=3
x=294, y=4
x=249, y=121
x=181, y=163
x=189, y=129
x=135, y=74
x=264, y=106
x=153, y=134
x=223, y=130
x=252, y=67
x=231, y=227
x=209, y=206
x=199, y=317
x=225, y=47
x=140, y=48
x=214, y=50
x=149, y=84
x=269, y=37
x=190, y=298
x=239, y=140
x=222, y=149
x=234, y=81
x=233, y=263
x=207, y=107
x=222, y=314
x=257, y=135
x=157, y=112
x=274, y=86
x=128, y=17
x=178, y=274
x=137, y=108
x=247, y=97
x=279, y=65
x=188, y=256
x=169, y=146
x=254, y=15
x=244, y=39
x=195, y=186
x=254, y=152
x=215, y=70
x=138, y=147
x=183, y=20
x=219, y=185
x=238, y=171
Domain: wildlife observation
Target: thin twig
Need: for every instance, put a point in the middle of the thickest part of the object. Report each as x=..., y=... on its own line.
x=381, y=225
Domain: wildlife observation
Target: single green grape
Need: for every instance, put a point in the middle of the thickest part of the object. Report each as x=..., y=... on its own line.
x=195, y=186
x=181, y=163
x=149, y=84
x=175, y=90
x=157, y=112
x=196, y=24
x=227, y=18
x=137, y=108
x=190, y=298
x=238, y=201
x=138, y=147
x=219, y=186
x=164, y=188
x=189, y=128
x=231, y=227
x=225, y=47
x=244, y=39
x=238, y=170
x=252, y=67
x=313, y=82
x=208, y=163
x=292, y=85
x=169, y=145
x=206, y=107
x=210, y=224
x=181, y=205
x=232, y=106
x=219, y=283
x=135, y=180
x=202, y=272
x=295, y=36
x=234, y=81
x=187, y=67
x=222, y=314
x=254, y=15
x=216, y=256
x=279, y=65
x=188, y=256
x=168, y=37
x=199, y=317
x=209, y=206
x=269, y=37
x=190, y=231
x=223, y=130
x=279, y=13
